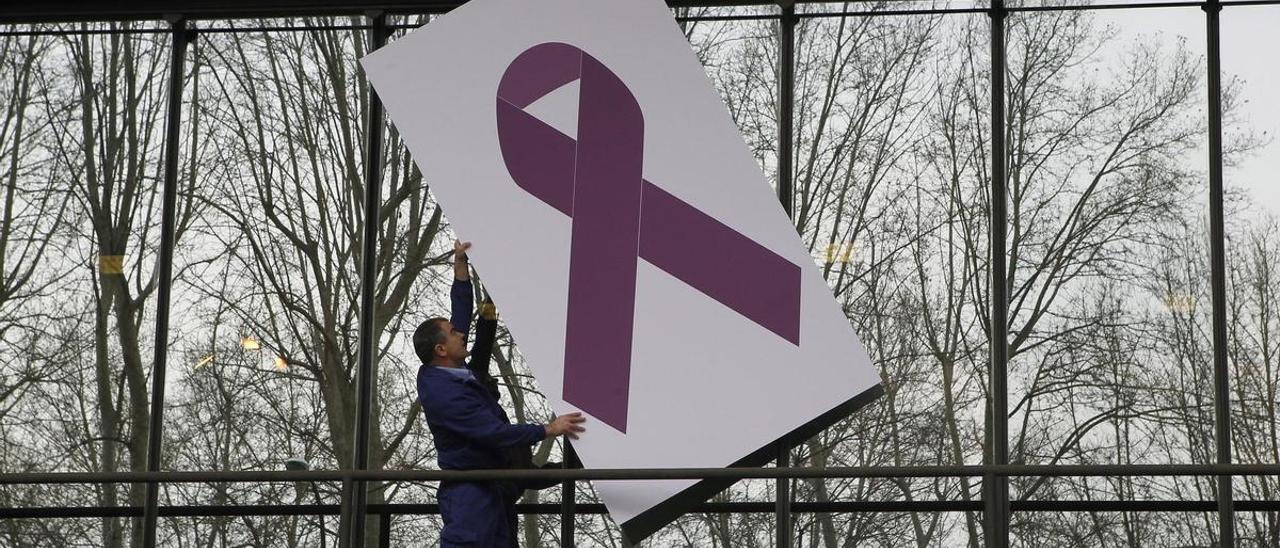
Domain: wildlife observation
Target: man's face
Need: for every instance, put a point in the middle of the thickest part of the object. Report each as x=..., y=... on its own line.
x=454, y=346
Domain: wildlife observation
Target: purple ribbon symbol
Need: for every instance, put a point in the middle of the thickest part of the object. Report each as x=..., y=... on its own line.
x=619, y=218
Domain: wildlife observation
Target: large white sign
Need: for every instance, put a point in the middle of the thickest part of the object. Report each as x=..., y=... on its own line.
x=640, y=258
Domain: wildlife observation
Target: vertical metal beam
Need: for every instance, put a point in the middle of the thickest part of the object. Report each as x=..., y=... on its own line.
x=783, y=504
x=384, y=529
x=786, y=100
x=568, y=496
x=786, y=132
x=1218, y=277
x=354, y=494
x=995, y=516
x=168, y=228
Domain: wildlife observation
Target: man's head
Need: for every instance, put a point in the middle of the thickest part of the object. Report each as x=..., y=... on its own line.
x=436, y=341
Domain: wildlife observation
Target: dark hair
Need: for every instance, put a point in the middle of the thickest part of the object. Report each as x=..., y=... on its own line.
x=427, y=336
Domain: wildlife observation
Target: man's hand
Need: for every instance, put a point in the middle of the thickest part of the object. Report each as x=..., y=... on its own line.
x=566, y=425
x=460, y=270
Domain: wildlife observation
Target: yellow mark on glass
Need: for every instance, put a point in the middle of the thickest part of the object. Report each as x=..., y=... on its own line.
x=204, y=361
x=111, y=264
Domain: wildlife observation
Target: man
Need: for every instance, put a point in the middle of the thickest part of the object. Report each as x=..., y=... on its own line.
x=470, y=429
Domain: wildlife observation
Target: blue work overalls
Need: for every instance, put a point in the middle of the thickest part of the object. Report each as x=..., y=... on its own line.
x=471, y=432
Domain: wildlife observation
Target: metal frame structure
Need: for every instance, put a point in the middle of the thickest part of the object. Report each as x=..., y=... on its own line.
x=995, y=490
x=351, y=529
x=995, y=472
x=786, y=102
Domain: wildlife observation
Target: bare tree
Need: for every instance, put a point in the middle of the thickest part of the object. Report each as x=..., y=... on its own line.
x=295, y=106
x=104, y=104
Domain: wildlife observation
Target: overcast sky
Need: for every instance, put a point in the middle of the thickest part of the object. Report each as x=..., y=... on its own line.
x=1250, y=48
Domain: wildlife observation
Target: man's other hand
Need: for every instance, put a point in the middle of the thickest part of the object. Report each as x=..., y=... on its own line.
x=488, y=311
x=566, y=425
x=460, y=270
x=460, y=251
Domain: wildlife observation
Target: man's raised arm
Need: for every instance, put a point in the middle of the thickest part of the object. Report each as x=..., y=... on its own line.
x=482, y=351
x=461, y=295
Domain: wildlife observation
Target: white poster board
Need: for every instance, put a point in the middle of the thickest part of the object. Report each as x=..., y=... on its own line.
x=639, y=256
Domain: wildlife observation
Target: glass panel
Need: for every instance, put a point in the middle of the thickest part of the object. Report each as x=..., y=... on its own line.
x=1253, y=257
x=1107, y=181
x=263, y=342
x=1253, y=240
x=1257, y=528
x=732, y=16
x=1077, y=3
x=885, y=205
x=881, y=529
x=81, y=138
x=50, y=532
x=716, y=530
x=1104, y=490
x=416, y=530
x=286, y=531
x=740, y=57
x=1110, y=357
x=888, y=6
x=891, y=164
x=1115, y=529
x=759, y=529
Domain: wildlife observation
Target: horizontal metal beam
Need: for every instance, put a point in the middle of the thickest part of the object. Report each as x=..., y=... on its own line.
x=79, y=11
x=55, y=11
x=27, y=30
x=551, y=508
x=1004, y=470
x=67, y=11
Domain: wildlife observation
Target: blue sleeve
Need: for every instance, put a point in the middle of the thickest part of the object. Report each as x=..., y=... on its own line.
x=462, y=298
x=466, y=415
